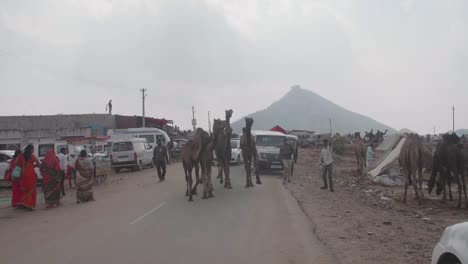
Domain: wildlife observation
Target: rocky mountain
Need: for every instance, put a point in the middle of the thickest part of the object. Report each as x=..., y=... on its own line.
x=304, y=109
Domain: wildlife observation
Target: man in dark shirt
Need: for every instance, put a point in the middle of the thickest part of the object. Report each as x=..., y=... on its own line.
x=160, y=158
x=286, y=152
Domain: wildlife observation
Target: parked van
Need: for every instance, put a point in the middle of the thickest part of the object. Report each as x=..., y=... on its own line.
x=149, y=133
x=132, y=153
x=268, y=148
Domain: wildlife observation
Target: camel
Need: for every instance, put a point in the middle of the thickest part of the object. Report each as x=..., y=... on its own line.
x=206, y=159
x=223, y=147
x=379, y=136
x=369, y=137
x=449, y=161
x=249, y=152
x=411, y=162
x=360, y=152
x=190, y=155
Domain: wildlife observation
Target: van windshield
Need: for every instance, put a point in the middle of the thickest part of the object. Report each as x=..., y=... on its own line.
x=122, y=146
x=269, y=141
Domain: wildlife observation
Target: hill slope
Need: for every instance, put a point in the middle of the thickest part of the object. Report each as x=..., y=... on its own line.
x=304, y=109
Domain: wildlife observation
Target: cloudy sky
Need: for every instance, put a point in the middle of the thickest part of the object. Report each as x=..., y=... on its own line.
x=402, y=62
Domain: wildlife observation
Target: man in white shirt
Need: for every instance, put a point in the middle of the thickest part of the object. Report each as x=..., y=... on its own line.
x=63, y=166
x=326, y=160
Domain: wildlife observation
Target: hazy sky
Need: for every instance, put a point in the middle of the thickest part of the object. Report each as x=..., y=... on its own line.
x=401, y=62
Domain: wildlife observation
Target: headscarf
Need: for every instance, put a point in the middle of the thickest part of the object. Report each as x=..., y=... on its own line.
x=51, y=160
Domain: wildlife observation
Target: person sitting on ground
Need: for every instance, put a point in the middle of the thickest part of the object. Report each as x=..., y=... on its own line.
x=286, y=153
x=326, y=160
x=84, y=178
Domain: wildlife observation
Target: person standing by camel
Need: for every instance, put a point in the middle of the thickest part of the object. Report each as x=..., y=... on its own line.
x=160, y=158
x=286, y=153
x=326, y=160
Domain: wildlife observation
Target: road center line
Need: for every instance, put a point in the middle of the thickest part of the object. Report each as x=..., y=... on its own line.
x=147, y=213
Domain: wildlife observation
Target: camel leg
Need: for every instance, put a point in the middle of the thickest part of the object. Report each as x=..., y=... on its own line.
x=247, y=167
x=186, y=179
x=257, y=174
x=190, y=183
x=220, y=171
x=459, y=185
x=420, y=182
x=405, y=177
x=415, y=185
x=209, y=186
x=197, y=173
x=227, y=184
x=449, y=185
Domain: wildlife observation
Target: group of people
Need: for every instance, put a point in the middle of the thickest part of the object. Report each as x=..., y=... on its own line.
x=54, y=169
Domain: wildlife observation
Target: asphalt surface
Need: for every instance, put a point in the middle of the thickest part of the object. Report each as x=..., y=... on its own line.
x=136, y=220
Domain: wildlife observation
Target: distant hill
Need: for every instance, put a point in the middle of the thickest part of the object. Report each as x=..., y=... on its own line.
x=304, y=109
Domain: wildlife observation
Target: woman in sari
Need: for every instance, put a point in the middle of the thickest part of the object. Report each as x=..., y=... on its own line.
x=15, y=185
x=85, y=178
x=51, y=179
x=28, y=179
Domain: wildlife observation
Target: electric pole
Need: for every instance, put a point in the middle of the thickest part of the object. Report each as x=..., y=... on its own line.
x=453, y=116
x=143, y=96
x=194, y=121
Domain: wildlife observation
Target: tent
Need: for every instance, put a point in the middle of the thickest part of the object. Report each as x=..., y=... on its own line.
x=277, y=128
x=386, y=170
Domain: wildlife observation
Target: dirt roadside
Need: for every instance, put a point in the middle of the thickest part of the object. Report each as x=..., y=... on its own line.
x=365, y=223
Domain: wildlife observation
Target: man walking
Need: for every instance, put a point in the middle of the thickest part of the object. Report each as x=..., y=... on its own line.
x=160, y=158
x=326, y=160
x=286, y=152
x=63, y=167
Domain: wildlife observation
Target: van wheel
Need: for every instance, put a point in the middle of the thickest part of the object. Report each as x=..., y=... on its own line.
x=140, y=166
x=117, y=170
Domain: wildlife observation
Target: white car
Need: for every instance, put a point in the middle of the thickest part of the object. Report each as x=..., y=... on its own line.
x=452, y=247
x=5, y=157
x=236, y=152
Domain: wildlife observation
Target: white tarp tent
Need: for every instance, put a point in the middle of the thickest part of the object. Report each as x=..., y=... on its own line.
x=388, y=159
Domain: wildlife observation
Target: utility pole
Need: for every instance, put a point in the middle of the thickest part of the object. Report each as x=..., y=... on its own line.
x=194, y=121
x=209, y=121
x=143, y=96
x=453, y=110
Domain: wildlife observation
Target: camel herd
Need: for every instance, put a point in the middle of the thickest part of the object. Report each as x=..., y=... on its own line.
x=198, y=153
x=448, y=165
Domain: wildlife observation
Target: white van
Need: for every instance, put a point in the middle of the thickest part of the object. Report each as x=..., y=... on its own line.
x=268, y=148
x=149, y=133
x=133, y=153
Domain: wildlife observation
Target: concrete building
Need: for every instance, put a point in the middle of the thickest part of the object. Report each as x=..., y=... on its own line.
x=17, y=131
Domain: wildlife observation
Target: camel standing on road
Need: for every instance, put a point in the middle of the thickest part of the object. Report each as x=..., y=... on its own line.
x=360, y=152
x=223, y=148
x=249, y=153
x=411, y=162
x=449, y=160
x=190, y=155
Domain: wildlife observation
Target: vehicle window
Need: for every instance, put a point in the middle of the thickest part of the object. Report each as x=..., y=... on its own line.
x=149, y=138
x=57, y=150
x=43, y=148
x=122, y=146
x=272, y=141
x=234, y=144
x=4, y=158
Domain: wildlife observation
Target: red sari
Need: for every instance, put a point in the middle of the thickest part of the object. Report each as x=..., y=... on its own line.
x=16, y=192
x=27, y=181
x=51, y=179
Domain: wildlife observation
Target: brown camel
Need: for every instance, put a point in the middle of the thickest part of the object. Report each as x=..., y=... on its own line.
x=449, y=161
x=249, y=153
x=206, y=160
x=223, y=147
x=190, y=155
x=411, y=162
x=360, y=152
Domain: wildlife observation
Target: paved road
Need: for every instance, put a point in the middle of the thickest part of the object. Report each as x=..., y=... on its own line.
x=136, y=220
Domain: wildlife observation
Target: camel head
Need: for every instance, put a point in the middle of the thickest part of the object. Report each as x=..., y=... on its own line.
x=248, y=122
x=218, y=125
x=229, y=114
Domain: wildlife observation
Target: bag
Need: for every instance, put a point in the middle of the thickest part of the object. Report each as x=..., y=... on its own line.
x=16, y=173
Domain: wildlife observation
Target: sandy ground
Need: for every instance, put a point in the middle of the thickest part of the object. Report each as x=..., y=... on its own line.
x=366, y=223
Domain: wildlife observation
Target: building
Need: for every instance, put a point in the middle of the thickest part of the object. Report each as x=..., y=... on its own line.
x=17, y=131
